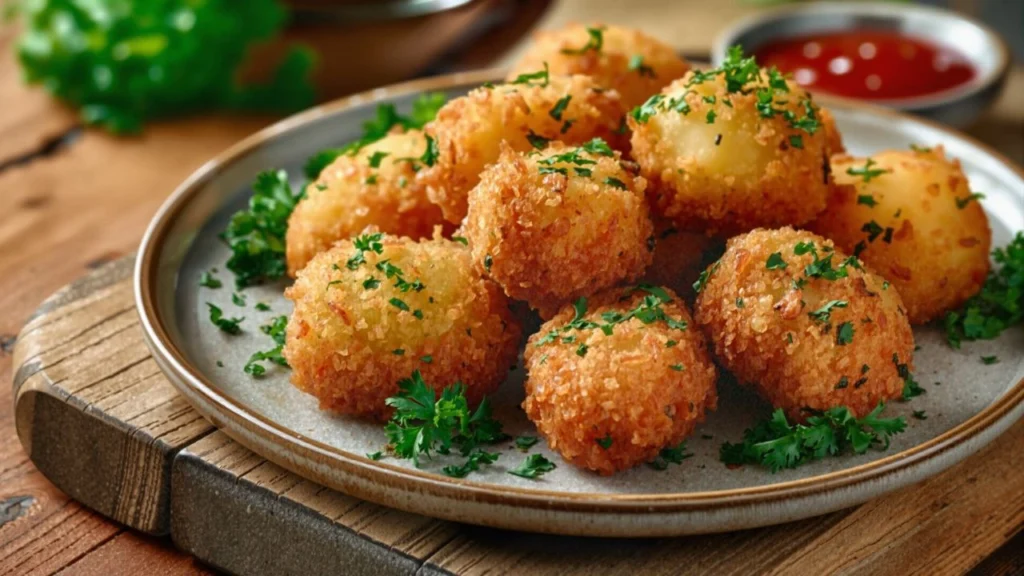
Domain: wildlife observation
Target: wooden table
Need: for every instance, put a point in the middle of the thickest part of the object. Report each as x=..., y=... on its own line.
x=72, y=199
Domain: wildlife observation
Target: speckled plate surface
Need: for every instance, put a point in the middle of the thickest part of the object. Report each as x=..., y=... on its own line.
x=968, y=403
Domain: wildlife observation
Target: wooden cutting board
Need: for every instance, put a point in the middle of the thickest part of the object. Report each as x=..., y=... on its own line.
x=99, y=419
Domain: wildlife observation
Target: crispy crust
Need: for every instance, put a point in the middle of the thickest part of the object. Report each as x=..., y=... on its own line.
x=470, y=130
x=679, y=258
x=551, y=238
x=752, y=340
x=610, y=66
x=342, y=336
x=735, y=172
x=937, y=252
x=622, y=387
x=341, y=203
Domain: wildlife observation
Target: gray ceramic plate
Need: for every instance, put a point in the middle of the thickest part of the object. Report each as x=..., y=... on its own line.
x=968, y=403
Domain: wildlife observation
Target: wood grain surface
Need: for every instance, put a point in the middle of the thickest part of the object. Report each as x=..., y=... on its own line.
x=72, y=199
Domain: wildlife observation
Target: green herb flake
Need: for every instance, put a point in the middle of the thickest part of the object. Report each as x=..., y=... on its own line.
x=671, y=455
x=595, y=40
x=605, y=442
x=867, y=200
x=844, y=334
x=962, y=203
x=461, y=240
x=776, y=444
x=533, y=467
x=526, y=442
x=989, y=360
x=539, y=78
x=559, y=108
x=636, y=64
x=615, y=183
x=920, y=414
x=228, y=325
x=775, y=262
x=207, y=280
x=866, y=172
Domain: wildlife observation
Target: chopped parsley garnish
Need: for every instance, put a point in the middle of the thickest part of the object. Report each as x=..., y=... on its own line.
x=615, y=183
x=1000, y=303
x=461, y=240
x=710, y=117
x=824, y=314
x=371, y=283
x=526, y=442
x=537, y=141
x=671, y=455
x=376, y=158
x=423, y=110
x=581, y=350
x=796, y=142
x=636, y=64
x=776, y=444
x=276, y=330
x=229, y=325
x=595, y=41
x=400, y=304
x=605, y=442
x=962, y=203
x=423, y=423
x=910, y=386
x=539, y=78
x=920, y=149
x=375, y=456
x=775, y=262
x=371, y=179
x=398, y=352
x=647, y=311
x=238, y=299
x=678, y=367
x=262, y=306
x=844, y=334
x=598, y=147
x=488, y=261
x=428, y=359
x=867, y=200
x=256, y=235
x=740, y=303
x=472, y=464
x=989, y=360
x=920, y=415
x=534, y=466
x=866, y=172
x=208, y=280
x=559, y=108
x=364, y=243
x=671, y=343
x=702, y=280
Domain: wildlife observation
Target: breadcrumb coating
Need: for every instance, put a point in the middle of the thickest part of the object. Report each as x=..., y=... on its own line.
x=607, y=402
x=628, y=61
x=351, y=194
x=715, y=164
x=828, y=343
x=470, y=130
x=355, y=332
x=554, y=225
x=913, y=221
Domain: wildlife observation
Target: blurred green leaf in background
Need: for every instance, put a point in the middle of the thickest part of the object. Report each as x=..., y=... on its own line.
x=123, y=62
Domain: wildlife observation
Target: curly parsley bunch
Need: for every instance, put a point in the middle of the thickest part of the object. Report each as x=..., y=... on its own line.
x=126, y=61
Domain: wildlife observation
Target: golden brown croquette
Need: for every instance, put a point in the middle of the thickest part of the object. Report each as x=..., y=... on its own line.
x=371, y=310
x=910, y=215
x=553, y=225
x=805, y=325
x=613, y=381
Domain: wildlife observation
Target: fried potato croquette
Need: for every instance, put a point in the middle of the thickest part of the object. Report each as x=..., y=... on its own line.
x=612, y=383
x=627, y=60
x=554, y=225
x=721, y=158
x=679, y=257
x=912, y=218
x=805, y=325
x=375, y=187
x=371, y=310
x=470, y=130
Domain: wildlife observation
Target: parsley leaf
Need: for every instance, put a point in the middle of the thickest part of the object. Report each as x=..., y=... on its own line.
x=526, y=442
x=276, y=330
x=424, y=423
x=775, y=262
x=866, y=172
x=636, y=64
x=867, y=200
x=962, y=203
x=542, y=78
x=534, y=466
x=776, y=444
x=605, y=442
x=229, y=325
x=472, y=464
x=844, y=334
x=256, y=236
x=670, y=455
x=595, y=41
x=208, y=280
x=1000, y=303
x=559, y=108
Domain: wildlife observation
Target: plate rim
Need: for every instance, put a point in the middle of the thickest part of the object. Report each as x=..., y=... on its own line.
x=190, y=380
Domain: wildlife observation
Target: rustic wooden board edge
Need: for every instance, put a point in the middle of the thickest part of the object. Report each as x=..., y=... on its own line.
x=111, y=466
x=281, y=535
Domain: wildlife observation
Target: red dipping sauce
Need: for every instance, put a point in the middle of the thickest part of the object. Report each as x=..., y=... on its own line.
x=871, y=65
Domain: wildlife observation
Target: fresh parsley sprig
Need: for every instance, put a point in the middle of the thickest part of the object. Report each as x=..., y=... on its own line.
x=276, y=330
x=425, y=423
x=1000, y=303
x=776, y=444
x=229, y=325
x=256, y=236
x=534, y=466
